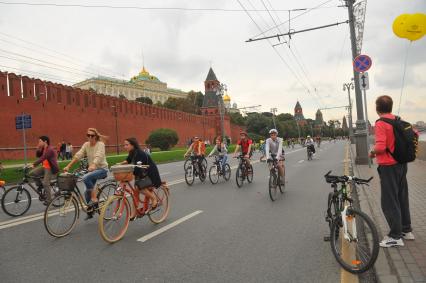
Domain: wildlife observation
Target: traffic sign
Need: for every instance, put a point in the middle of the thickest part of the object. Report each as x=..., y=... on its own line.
x=364, y=83
x=23, y=122
x=362, y=63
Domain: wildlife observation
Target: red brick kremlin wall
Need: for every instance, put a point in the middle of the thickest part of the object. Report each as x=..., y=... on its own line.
x=64, y=113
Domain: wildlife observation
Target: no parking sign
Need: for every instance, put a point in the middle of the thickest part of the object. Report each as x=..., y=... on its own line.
x=362, y=63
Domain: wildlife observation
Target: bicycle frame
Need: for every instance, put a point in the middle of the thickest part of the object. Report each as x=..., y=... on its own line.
x=127, y=188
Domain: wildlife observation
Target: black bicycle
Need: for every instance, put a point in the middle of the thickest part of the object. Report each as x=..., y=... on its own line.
x=62, y=212
x=353, y=236
x=192, y=170
x=310, y=151
x=216, y=171
x=16, y=200
x=244, y=171
x=275, y=183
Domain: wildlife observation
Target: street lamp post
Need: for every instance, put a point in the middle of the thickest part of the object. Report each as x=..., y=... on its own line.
x=219, y=92
x=116, y=129
x=273, y=111
x=348, y=87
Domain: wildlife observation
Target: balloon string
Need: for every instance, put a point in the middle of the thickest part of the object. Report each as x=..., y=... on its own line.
x=403, y=75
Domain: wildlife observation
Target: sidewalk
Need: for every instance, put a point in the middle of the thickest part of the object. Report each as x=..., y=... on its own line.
x=402, y=264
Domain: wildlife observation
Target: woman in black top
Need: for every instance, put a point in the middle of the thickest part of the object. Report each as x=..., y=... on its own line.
x=144, y=178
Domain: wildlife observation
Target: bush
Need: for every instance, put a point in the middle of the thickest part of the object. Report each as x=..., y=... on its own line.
x=163, y=139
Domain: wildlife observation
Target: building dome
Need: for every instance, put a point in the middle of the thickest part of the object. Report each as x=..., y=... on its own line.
x=144, y=75
x=226, y=98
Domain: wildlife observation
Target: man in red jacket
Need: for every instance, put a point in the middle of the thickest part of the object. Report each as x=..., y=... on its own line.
x=393, y=179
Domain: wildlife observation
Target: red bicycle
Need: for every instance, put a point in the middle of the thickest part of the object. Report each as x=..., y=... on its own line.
x=126, y=205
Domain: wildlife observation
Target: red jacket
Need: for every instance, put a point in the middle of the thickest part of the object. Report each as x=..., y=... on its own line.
x=385, y=139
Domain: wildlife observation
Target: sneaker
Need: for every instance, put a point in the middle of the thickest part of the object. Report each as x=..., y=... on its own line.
x=408, y=236
x=388, y=242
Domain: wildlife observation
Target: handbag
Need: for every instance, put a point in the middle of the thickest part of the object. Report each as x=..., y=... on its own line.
x=143, y=183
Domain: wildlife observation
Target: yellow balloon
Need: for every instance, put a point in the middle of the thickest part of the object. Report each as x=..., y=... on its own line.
x=414, y=27
x=398, y=25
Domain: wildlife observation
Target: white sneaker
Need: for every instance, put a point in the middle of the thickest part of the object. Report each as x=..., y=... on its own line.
x=408, y=236
x=388, y=242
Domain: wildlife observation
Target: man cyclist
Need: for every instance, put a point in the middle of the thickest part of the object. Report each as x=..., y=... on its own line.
x=274, y=145
x=310, y=145
x=198, y=149
x=245, y=143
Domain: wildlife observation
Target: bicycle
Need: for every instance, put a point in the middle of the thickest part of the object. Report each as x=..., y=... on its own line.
x=16, y=200
x=2, y=182
x=350, y=226
x=310, y=151
x=61, y=214
x=216, y=171
x=192, y=170
x=188, y=161
x=274, y=178
x=244, y=171
x=118, y=210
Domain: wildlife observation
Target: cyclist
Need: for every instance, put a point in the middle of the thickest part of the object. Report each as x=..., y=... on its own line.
x=245, y=143
x=198, y=148
x=48, y=169
x=220, y=150
x=318, y=141
x=144, y=178
x=94, y=150
x=262, y=150
x=310, y=145
x=274, y=145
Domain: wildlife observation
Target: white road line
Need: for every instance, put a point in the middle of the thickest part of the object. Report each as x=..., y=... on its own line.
x=165, y=173
x=21, y=201
x=168, y=227
x=300, y=161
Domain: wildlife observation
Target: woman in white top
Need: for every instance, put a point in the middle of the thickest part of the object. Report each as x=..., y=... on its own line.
x=94, y=150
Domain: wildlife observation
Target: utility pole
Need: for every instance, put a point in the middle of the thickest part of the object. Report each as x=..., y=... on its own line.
x=219, y=92
x=348, y=87
x=361, y=129
x=116, y=129
x=273, y=110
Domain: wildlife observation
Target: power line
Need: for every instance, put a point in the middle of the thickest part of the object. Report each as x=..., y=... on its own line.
x=295, y=17
x=150, y=8
x=39, y=74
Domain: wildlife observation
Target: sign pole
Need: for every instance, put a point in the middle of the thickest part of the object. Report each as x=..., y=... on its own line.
x=367, y=125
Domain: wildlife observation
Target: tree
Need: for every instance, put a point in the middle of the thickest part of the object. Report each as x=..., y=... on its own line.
x=122, y=96
x=237, y=118
x=285, y=117
x=162, y=138
x=259, y=124
x=145, y=100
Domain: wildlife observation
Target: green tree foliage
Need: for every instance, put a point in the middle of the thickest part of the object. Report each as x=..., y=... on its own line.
x=237, y=118
x=259, y=124
x=145, y=100
x=190, y=104
x=122, y=96
x=163, y=138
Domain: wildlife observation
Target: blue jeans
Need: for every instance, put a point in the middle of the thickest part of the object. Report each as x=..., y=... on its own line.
x=90, y=180
x=222, y=160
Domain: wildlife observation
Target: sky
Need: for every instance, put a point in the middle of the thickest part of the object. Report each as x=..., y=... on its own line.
x=179, y=46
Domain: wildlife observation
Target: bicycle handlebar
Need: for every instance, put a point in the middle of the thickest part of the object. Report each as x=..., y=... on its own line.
x=344, y=179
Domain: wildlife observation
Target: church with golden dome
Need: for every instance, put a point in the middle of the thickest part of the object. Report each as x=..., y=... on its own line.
x=142, y=85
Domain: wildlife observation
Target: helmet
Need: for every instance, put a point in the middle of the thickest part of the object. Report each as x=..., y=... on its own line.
x=273, y=131
x=243, y=133
x=308, y=137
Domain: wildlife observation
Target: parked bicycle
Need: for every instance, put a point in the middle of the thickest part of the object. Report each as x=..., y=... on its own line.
x=275, y=183
x=192, y=170
x=216, y=171
x=119, y=210
x=351, y=231
x=244, y=171
x=60, y=216
x=16, y=200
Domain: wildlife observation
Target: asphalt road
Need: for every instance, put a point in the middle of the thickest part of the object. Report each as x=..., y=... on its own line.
x=238, y=235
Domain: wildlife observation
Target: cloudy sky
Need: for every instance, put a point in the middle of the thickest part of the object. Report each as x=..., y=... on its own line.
x=180, y=45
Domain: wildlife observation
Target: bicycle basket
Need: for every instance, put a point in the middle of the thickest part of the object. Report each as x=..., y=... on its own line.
x=66, y=182
x=123, y=173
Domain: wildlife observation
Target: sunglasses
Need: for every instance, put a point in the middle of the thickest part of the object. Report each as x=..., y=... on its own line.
x=90, y=136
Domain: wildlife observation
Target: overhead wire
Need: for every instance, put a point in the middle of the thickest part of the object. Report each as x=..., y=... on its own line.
x=40, y=75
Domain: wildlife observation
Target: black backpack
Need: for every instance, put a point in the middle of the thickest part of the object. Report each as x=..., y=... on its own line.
x=406, y=140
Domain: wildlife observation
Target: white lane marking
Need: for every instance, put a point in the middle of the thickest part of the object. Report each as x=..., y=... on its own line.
x=168, y=227
x=300, y=161
x=165, y=173
x=20, y=201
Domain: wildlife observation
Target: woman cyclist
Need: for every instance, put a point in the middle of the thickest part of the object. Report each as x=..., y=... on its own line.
x=94, y=149
x=221, y=151
x=144, y=178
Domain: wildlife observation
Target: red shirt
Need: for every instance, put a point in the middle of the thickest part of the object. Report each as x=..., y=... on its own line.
x=384, y=139
x=245, y=145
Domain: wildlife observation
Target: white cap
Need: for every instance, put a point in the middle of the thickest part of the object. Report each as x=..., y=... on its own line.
x=273, y=131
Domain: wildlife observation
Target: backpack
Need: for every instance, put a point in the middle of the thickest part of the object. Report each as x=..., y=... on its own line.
x=203, y=147
x=406, y=140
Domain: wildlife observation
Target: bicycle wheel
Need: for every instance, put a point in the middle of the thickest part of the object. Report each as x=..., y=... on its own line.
x=227, y=172
x=187, y=162
x=250, y=174
x=359, y=253
x=114, y=219
x=61, y=215
x=204, y=162
x=189, y=175
x=16, y=201
x=159, y=214
x=203, y=173
x=273, y=185
x=239, y=177
x=281, y=183
x=105, y=192
x=214, y=174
